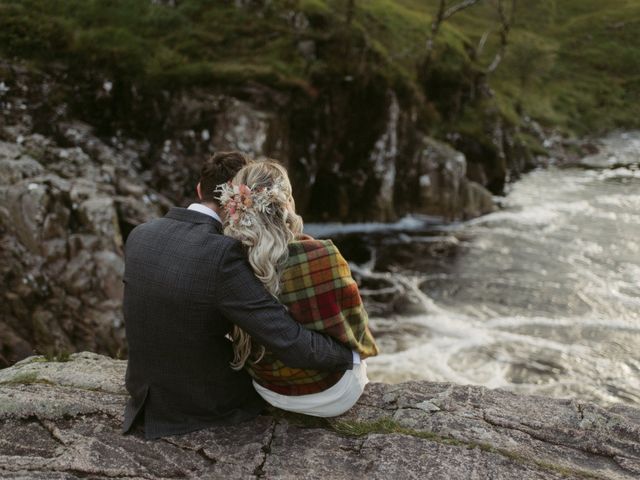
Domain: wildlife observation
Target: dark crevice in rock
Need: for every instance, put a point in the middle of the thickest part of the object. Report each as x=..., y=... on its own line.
x=419, y=410
x=356, y=448
x=200, y=450
x=266, y=449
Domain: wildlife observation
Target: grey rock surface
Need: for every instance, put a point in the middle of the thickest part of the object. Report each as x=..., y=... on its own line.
x=61, y=420
x=62, y=215
x=444, y=187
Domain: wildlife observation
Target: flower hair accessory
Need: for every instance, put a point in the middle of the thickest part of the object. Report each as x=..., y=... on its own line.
x=243, y=203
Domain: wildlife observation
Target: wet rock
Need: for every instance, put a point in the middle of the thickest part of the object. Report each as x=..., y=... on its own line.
x=14, y=170
x=616, y=150
x=444, y=187
x=78, y=273
x=25, y=204
x=61, y=255
x=99, y=217
x=241, y=126
x=9, y=151
x=485, y=152
x=12, y=343
x=383, y=162
x=62, y=420
x=109, y=272
x=133, y=211
x=475, y=200
x=54, y=249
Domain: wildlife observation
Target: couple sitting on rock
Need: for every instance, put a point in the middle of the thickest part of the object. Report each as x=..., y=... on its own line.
x=228, y=304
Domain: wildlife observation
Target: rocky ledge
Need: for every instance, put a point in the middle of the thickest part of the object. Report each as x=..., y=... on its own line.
x=62, y=420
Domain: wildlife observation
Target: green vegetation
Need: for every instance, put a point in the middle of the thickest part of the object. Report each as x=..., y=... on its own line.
x=57, y=356
x=387, y=426
x=26, y=378
x=569, y=63
x=585, y=61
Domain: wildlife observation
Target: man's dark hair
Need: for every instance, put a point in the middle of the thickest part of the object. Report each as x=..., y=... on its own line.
x=220, y=168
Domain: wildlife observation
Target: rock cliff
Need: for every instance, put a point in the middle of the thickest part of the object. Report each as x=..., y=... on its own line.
x=340, y=170
x=71, y=189
x=61, y=420
x=64, y=212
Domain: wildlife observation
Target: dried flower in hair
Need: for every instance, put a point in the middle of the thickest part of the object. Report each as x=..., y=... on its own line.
x=242, y=202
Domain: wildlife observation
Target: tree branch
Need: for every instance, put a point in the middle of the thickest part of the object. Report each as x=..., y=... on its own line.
x=506, y=21
x=482, y=43
x=351, y=8
x=452, y=10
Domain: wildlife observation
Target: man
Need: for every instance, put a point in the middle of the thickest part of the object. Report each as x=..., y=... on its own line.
x=186, y=284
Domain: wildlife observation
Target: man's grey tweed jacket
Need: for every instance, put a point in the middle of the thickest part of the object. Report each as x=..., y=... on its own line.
x=186, y=284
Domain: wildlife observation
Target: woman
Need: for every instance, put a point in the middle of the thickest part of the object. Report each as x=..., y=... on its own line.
x=310, y=278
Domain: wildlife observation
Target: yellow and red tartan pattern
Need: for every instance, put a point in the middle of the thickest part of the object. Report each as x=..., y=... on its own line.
x=321, y=294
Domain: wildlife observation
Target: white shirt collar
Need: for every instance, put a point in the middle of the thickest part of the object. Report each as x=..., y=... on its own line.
x=199, y=207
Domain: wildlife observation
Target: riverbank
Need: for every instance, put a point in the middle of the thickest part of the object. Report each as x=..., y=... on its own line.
x=110, y=126
x=70, y=194
x=540, y=297
x=62, y=420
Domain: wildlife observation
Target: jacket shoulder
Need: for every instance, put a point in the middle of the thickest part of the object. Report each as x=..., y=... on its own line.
x=144, y=228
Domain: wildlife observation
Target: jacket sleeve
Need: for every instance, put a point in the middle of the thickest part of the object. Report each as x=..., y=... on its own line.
x=242, y=299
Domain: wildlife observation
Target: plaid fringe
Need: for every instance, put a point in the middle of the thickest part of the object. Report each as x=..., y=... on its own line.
x=321, y=294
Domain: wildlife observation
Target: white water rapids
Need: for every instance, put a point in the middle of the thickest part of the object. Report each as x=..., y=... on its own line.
x=542, y=296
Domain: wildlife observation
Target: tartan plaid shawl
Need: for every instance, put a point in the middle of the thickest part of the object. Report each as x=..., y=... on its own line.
x=320, y=293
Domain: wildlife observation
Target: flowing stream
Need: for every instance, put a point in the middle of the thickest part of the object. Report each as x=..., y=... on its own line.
x=542, y=296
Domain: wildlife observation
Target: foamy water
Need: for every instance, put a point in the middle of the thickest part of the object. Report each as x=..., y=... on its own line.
x=542, y=296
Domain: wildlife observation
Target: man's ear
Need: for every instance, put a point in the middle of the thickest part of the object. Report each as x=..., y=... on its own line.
x=199, y=191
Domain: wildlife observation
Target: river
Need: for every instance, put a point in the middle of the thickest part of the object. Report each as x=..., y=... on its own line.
x=542, y=296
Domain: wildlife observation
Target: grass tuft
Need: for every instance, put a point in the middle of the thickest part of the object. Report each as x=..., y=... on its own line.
x=26, y=378
x=388, y=425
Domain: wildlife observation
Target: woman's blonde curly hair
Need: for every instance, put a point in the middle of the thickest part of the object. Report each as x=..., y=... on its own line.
x=266, y=235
